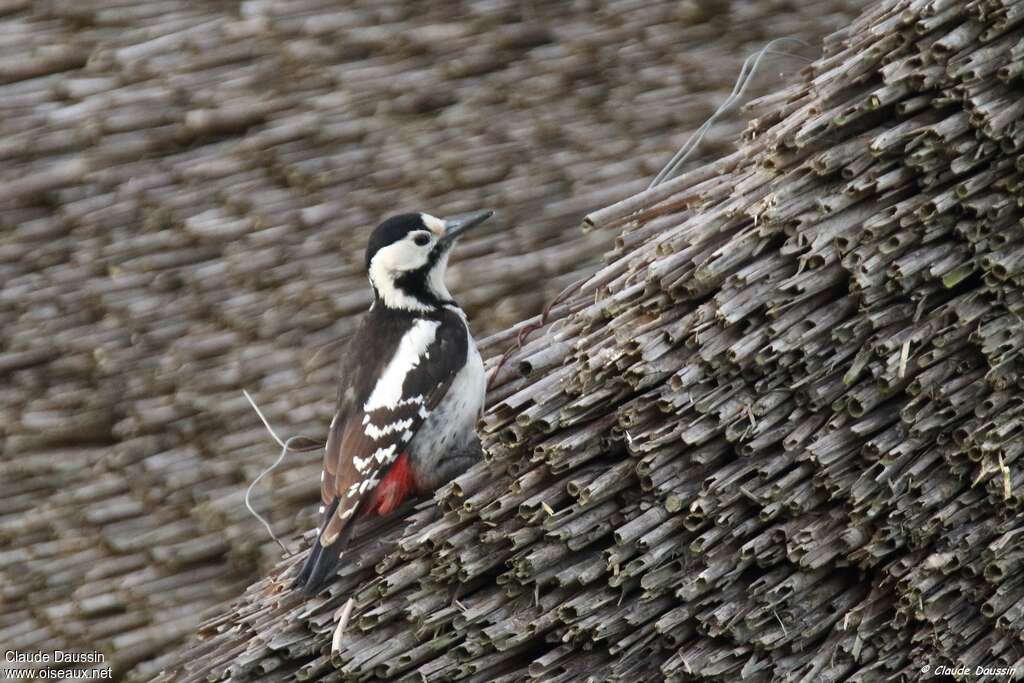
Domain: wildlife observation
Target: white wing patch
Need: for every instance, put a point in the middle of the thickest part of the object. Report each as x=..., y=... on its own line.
x=376, y=433
x=382, y=456
x=411, y=350
x=361, y=487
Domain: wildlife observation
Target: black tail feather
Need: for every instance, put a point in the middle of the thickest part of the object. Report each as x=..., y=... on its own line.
x=323, y=561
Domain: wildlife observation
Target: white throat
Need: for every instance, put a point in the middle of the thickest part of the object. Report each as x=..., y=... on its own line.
x=435, y=279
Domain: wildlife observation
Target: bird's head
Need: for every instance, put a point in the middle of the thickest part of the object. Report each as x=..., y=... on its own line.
x=407, y=257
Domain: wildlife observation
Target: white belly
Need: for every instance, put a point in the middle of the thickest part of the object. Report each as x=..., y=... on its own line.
x=451, y=426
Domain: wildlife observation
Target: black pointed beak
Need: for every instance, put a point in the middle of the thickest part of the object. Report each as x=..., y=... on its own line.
x=457, y=226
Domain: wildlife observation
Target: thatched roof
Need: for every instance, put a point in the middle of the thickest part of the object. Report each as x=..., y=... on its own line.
x=185, y=192
x=776, y=437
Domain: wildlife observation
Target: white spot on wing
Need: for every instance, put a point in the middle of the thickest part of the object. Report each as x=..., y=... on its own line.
x=388, y=391
x=381, y=455
x=385, y=455
x=376, y=433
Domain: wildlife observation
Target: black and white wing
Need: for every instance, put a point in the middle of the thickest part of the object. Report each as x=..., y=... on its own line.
x=388, y=403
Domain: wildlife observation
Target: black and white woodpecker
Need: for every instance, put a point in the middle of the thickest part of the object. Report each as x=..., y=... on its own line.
x=412, y=388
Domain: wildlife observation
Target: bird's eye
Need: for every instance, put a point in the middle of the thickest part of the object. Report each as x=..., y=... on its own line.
x=421, y=239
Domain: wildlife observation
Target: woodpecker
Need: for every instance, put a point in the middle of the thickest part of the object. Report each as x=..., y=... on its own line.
x=412, y=388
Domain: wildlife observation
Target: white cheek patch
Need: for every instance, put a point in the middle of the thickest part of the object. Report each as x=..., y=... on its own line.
x=434, y=224
x=398, y=257
x=388, y=265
